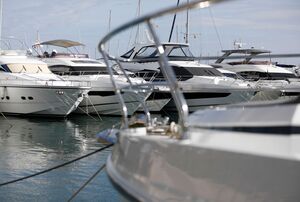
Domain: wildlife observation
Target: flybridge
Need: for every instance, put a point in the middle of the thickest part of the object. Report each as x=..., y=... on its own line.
x=67, y=48
x=62, y=43
x=287, y=55
x=248, y=52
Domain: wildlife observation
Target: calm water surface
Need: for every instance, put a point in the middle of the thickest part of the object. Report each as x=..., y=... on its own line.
x=29, y=145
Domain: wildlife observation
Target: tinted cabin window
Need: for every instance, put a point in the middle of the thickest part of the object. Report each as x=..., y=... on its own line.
x=281, y=76
x=250, y=75
x=204, y=71
x=146, y=52
x=177, y=52
x=181, y=74
x=266, y=76
x=187, y=52
x=230, y=75
x=128, y=54
x=4, y=68
x=149, y=75
x=180, y=52
x=185, y=73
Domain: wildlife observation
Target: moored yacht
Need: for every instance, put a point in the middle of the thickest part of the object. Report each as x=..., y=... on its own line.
x=230, y=153
x=28, y=87
x=67, y=61
x=202, y=85
x=264, y=73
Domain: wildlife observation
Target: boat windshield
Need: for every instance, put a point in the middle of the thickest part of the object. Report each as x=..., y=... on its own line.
x=128, y=54
x=181, y=51
x=231, y=75
x=146, y=52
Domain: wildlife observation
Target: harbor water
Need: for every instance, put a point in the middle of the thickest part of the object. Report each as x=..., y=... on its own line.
x=30, y=145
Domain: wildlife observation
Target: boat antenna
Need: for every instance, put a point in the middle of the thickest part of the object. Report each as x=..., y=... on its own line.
x=174, y=19
x=214, y=23
x=109, y=24
x=1, y=16
x=37, y=47
x=137, y=35
x=187, y=25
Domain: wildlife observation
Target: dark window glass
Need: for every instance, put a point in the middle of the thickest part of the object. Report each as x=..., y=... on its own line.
x=180, y=51
x=177, y=52
x=128, y=54
x=187, y=51
x=4, y=68
x=231, y=75
x=266, y=75
x=181, y=74
x=204, y=71
x=146, y=52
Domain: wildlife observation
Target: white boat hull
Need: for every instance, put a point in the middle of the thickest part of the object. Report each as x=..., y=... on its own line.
x=201, y=99
x=102, y=98
x=109, y=104
x=158, y=168
x=40, y=100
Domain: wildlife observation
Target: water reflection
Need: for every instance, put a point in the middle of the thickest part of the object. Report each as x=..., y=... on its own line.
x=29, y=145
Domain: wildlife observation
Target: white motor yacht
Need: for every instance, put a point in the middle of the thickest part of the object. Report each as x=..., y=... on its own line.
x=27, y=87
x=264, y=73
x=67, y=61
x=202, y=85
x=229, y=153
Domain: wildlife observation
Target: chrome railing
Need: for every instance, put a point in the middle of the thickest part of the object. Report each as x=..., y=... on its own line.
x=163, y=59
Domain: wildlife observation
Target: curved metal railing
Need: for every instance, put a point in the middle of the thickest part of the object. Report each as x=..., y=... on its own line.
x=163, y=59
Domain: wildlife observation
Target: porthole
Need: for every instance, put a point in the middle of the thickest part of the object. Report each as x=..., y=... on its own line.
x=23, y=98
x=7, y=97
x=30, y=98
x=59, y=92
x=2, y=98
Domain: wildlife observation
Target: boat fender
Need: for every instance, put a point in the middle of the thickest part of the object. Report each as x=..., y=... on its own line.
x=108, y=136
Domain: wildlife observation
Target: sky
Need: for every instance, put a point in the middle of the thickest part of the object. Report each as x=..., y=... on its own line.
x=268, y=24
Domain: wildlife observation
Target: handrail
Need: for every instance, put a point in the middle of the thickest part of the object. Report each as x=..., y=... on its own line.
x=163, y=59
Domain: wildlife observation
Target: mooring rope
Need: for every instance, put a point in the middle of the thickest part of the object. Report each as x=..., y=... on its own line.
x=87, y=182
x=94, y=108
x=68, y=97
x=55, y=167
